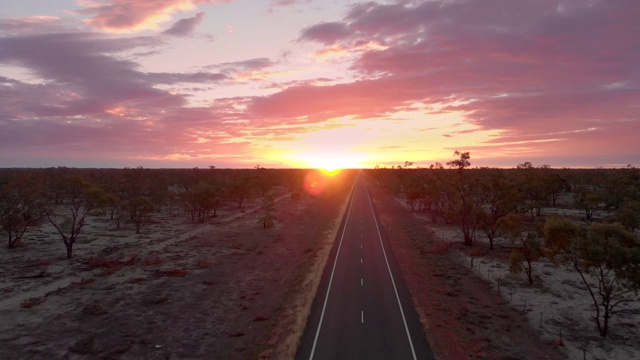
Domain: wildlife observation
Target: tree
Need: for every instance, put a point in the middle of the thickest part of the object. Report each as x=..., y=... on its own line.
x=21, y=206
x=629, y=215
x=241, y=189
x=606, y=253
x=500, y=198
x=538, y=188
x=140, y=209
x=461, y=162
x=464, y=204
x=588, y=200
x=84, y=198
x=201, y=200
x=511, y=226
x=413, y=191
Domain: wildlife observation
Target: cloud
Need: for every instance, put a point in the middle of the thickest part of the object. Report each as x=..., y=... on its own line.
x=184, y=27
x=327, y=33
x=363, y=99
x=542, y=77
x=286, y=2
x=130, y=16
x=177, y=78
x=518, y=67
x=33, y=25
x=245, y=65
x=83, y=65
x=84, y=98
x=249, y=70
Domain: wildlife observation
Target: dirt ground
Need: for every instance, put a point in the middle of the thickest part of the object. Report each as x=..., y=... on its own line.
x=227, y=289
x=463, y=316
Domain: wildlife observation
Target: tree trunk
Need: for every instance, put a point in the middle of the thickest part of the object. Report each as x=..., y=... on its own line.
x=69, y=250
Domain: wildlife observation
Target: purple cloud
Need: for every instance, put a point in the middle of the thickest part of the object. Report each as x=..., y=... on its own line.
x=244, y=65
x=184, y=27
x=327, y=33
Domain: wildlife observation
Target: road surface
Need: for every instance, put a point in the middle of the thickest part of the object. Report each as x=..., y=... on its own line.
x=362, y=309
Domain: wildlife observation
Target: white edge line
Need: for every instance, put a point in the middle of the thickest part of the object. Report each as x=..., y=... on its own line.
x=391, y=275
x=326, y=298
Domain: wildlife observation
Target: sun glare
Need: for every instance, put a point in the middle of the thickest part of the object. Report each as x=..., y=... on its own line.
x=333, y=164
x=330, y=172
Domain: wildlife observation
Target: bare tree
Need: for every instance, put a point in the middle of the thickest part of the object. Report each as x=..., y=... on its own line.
x=84, y=198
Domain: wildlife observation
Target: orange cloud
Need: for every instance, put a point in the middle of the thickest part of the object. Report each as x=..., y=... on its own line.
x=341, y=50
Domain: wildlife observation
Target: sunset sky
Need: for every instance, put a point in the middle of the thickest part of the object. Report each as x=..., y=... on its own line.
x=319, y=83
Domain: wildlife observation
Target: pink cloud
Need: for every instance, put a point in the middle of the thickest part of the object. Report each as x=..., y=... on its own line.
x=521, y=67
x=550, y=77
x=319, y=103
x=127, y=16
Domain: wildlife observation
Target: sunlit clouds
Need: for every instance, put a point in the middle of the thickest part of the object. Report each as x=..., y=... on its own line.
x=183, y=83
x=125, y=16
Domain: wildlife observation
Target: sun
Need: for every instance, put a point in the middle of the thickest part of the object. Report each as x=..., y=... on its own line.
x=330, y=172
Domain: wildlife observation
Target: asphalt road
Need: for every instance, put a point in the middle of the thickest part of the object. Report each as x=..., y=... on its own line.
x=362, y=309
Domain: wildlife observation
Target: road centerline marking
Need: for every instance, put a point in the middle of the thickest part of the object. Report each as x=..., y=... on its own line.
x=333, y=270
x=404, y=320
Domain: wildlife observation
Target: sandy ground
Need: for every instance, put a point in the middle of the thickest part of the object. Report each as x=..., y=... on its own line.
x=556, y=310
x=226, y=289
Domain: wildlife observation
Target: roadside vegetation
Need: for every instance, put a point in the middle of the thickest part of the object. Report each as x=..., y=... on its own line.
x=581, y=220
x=167, y=263
x=66, y=197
